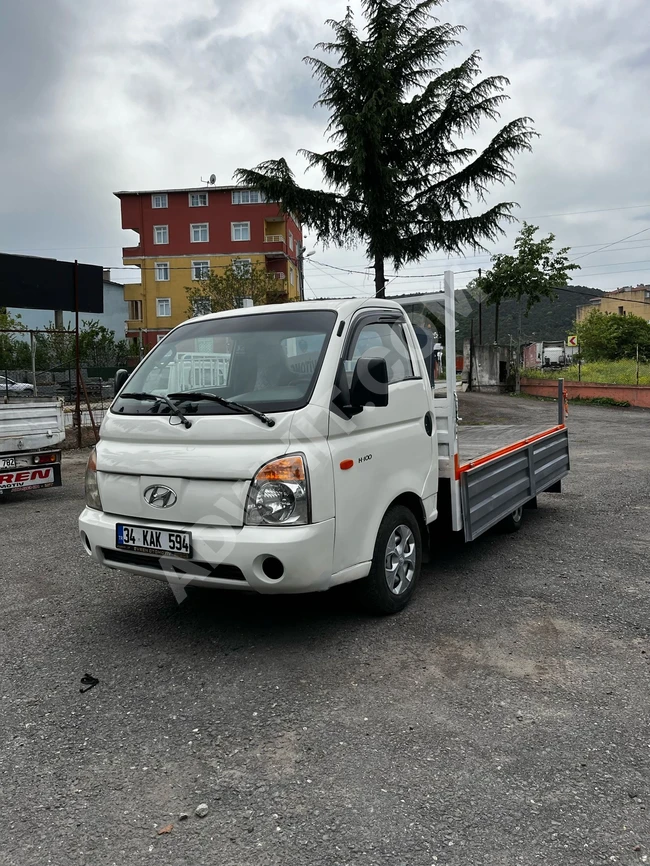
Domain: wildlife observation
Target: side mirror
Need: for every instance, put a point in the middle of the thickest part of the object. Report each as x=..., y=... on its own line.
x=120, y=378
x=369, y=384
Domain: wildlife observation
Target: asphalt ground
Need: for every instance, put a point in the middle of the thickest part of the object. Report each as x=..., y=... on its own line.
x=503, y=718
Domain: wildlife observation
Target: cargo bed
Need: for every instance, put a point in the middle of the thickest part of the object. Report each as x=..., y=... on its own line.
x=501, y=468
x=490, y=470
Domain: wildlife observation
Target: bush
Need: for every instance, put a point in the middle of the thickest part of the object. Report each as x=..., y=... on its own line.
x=604, y=336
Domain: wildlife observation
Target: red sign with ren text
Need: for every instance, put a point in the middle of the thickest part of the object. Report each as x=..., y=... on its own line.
x=26, y=479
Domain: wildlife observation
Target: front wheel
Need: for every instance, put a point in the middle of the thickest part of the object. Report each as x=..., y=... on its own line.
x=396, y=564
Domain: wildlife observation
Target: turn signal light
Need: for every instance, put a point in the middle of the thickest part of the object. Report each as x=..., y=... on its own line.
x=284, y=469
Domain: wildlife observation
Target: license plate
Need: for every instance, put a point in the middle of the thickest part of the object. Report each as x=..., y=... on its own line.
x=27, y=479
x=146, y=539
x=7, y=462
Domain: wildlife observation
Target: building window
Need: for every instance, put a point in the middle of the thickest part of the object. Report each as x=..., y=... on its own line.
x=199, y=233
x=198, y=199
x=160, y=337
x=241, y=231
x=161, y=272
x=247, y=196
x=161, y=234
x=291, y=241
x=291, y=276
x=242, y=267
x=163, y=307
x=159, y=200
x=135, y=311
x=200, y=270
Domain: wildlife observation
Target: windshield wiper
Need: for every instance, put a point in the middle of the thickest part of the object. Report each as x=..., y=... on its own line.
x=231, y=404
x=159, y=398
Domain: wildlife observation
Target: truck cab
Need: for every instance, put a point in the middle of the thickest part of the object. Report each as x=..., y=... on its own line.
x=263, y=448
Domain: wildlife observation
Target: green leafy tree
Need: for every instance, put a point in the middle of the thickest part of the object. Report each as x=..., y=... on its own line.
x=56, y=348
x=14, y=351
x=606, y=336
x=227, y=290
x=98, y=346
x=534, y=272
x=398, y=178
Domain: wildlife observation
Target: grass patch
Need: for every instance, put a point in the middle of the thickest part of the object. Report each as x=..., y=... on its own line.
x=599, y=372
x=599, y=401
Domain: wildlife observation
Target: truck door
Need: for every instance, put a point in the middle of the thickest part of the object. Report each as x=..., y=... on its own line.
x=385, y=451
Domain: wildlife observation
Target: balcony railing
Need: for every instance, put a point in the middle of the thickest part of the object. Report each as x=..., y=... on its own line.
x=131, y=252
x=274, y=239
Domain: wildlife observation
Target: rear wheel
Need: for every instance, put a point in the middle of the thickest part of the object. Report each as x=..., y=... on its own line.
x=512, y=523
x=396, y=564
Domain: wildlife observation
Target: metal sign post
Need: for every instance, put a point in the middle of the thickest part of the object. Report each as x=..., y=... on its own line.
x=77, y=402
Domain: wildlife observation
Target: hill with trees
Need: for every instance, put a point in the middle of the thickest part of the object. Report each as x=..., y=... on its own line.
x=547, y=320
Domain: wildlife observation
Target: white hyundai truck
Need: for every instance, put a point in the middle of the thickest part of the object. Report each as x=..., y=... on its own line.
x=291, y=448
x=30, y=430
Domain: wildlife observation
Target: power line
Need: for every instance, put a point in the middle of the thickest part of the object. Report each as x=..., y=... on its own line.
x=614, y=243
x=478, y=259
x=598, y=210
x=330, y=276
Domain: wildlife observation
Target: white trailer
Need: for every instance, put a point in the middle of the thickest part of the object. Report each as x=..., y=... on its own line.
x=30, y=430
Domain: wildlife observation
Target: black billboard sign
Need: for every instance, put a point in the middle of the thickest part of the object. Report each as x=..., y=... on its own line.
x=47, y=284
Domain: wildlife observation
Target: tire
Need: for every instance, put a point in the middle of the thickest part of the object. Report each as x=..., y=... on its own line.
x=386, y=590
x=512, y=523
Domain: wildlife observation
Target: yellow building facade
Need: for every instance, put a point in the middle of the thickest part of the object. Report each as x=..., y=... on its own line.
x=624, y=302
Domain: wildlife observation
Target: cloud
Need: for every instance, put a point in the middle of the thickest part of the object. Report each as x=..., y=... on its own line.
x=103, y=96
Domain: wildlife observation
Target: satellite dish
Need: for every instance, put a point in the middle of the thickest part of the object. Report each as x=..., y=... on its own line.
x=213, y=179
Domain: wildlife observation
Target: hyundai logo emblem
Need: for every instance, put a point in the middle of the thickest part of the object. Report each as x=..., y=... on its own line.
x=160, y=497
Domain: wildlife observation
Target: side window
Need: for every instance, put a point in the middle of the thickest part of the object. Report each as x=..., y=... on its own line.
x=382, y=340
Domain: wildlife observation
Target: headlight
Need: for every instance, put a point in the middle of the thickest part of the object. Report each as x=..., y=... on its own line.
x=93, y=499
x=279, y=494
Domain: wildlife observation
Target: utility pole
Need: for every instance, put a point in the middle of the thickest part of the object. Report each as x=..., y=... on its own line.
x=480, y=311
x=300, y=257
x=77, y=404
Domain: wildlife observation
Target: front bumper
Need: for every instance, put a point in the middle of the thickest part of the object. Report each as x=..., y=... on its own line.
x=306, y=552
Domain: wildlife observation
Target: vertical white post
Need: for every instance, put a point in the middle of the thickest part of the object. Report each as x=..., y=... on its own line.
x=450, y=362
x=450, y=336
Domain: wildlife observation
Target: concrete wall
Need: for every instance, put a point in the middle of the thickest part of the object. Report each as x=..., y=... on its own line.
x=114, y=315
x=489, y=366
x=635, y=395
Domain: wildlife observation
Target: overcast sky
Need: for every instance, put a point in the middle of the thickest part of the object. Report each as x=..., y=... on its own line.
x=102, y=95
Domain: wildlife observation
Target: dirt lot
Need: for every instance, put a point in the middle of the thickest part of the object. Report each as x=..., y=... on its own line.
x=503, y=718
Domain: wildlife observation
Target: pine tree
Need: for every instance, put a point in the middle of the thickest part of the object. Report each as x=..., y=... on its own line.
x=398, y=177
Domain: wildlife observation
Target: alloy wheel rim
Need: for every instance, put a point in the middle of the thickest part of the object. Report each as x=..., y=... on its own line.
x=400, y=559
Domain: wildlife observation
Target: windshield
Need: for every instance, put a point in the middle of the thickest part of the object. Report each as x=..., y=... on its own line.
x=268, y=361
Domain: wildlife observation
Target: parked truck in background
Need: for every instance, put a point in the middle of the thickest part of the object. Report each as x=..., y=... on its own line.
x=30, y=430
x=549, y=355
x=553, y=354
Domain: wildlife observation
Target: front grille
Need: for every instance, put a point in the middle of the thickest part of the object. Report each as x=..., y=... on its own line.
x=188, y=567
